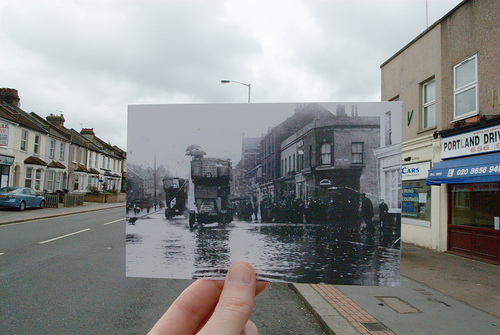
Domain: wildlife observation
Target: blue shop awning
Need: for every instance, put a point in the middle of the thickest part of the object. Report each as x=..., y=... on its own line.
x=473, y=169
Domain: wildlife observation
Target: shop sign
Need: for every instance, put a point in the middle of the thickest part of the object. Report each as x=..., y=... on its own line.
x=4, y=136
x=6, y=160
x=415, y=171
x=471, y=143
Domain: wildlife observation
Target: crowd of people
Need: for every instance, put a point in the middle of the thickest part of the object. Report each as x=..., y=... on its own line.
x=341, y=207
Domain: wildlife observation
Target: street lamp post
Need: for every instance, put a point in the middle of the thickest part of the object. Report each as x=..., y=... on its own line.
x=238, y=82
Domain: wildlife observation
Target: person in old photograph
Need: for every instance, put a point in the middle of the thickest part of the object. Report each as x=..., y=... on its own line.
x=367, y=212
x=383, y=212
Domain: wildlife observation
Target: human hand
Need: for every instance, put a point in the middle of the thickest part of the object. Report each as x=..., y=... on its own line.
x=214, y=306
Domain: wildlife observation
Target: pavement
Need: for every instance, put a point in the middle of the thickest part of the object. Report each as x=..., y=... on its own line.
x=440, y=293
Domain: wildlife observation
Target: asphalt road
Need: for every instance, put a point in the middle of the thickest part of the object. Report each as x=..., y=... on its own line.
x=66, y=275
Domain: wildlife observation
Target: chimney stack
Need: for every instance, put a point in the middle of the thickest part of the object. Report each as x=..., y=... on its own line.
x=10, y=96
x=57, y=120
x=87, y=131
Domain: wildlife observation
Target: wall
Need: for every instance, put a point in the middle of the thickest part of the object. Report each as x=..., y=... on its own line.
x=473, y=29
x=403, y=75
x=106, y=198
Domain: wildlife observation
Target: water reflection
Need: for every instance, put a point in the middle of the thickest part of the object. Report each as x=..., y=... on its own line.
x=342, y=253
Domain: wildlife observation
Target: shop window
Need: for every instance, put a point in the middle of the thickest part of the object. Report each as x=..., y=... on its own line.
x=475, y=205
x=416, y=200
x=4, y=175
x=465, y=88
x=392, y=188
x=357, y=152
x=326, y=154
x=429, y=104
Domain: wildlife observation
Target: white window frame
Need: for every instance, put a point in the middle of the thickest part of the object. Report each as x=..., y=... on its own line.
x=51, y=176
x=464, y=88
x=58, y=180
x=36, y=144
x=357, y=152
x=62, y=148
x=393, y=181
x=73, y=158
x=388, y=130
x=34, y=178
x=82, y=152
x=428, y=105
x=325, y=153
x=38, y=179
x=52, y=152
x=28, y=180
x=24, y=140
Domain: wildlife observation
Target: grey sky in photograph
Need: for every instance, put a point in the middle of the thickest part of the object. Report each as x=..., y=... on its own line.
x=91, y=59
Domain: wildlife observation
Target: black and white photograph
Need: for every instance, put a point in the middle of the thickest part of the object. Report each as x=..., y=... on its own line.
x=304, y=192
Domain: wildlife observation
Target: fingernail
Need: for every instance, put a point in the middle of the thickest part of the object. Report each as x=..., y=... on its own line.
x=240, y=273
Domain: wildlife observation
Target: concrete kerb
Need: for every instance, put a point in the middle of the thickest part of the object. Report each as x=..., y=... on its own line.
x=327, y=316
x=90, y=207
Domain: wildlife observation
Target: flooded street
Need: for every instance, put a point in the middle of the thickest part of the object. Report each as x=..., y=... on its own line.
x=343, y=254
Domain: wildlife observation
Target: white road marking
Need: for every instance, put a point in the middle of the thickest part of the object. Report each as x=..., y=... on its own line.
x=113, y=221
x=57, y=238
x=1, y=253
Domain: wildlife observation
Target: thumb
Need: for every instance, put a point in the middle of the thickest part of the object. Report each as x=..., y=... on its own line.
x=235, y=304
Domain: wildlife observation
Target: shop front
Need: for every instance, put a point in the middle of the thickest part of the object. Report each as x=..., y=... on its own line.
x=416, y=194
x=473, y=183
x=5, y=164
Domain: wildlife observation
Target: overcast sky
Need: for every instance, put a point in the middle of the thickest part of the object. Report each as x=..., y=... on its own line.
x=91, y=59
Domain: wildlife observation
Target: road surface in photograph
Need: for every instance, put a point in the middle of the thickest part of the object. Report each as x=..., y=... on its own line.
x=340, y=253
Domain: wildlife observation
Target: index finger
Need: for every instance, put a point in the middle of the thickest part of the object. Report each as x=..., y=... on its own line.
x=236, y=302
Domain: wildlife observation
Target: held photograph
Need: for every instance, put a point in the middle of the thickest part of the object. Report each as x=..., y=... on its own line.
x=304, y=192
